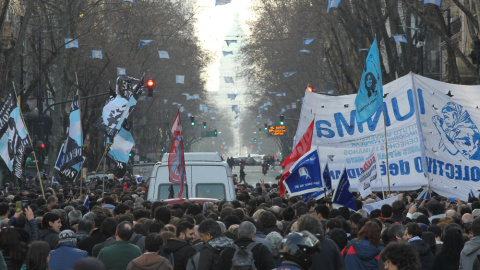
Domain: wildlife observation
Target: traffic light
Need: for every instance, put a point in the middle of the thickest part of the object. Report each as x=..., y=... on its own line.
x=255, y=140
x=282, y=120
x=251, y=145
x=215, y=132
x=192, y=120
x=40, y=146
x=309, y=88
x=260, y=131
x=150, y=85
x=221, y=146
x=266, y=127
x=204, y=124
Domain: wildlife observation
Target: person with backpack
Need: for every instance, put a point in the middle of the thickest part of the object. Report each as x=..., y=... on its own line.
x=298, y=250
x=246, y=253
x=214, y=242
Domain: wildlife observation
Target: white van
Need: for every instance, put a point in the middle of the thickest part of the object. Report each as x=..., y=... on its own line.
x=207, y=176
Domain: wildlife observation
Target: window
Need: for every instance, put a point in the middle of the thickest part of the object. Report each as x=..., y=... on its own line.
x=216, y=191
x=163, y=191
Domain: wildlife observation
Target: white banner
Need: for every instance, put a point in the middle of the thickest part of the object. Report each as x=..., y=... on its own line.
x=430, y=125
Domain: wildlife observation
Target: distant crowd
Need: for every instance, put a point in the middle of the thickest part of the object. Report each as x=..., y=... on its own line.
x=120, y=229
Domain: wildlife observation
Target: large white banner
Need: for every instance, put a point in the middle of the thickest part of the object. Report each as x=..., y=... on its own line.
x=429, y=125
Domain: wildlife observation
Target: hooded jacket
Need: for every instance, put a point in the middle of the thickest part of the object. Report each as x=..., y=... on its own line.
x=469, y=253
x=211, y=250
x=330, y=257
x=150, y=261
x=426, y=256
x=362, y=255
x=182, y=251
x=65, y=255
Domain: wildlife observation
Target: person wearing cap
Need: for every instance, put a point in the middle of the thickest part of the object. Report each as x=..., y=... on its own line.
x=66, y=253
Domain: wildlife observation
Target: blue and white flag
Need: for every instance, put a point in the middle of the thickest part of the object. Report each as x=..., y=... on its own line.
x=187, y=95
x=71, y=43
x=87, y=201
x=400, y=38
x=139, y=179
x=72, y=149
x=222, y=2
x=307, y=41
x=163, y=54
x=305, y=51
x=378, y=205
x=288, y=74
x=342, y=195
x=471, y=194
x=14, y=142
x=228, y=79
x=281, y=94
x=230, y=42
x=326, y=178
x=435, y=2
x=232, y=96
x=9, y=105
x=131, y=1
x=333, y=4
x=424, y=195
x=97, y=54
x=58, y=163
x=326, y=183
x=144, y=42
x=113, y=115
x=54, y=180
x=305, y=175
x=235, y=108
x=225, y=53
x=121, y=147
x=370, y=92
x=180, y=79
x=121, y=71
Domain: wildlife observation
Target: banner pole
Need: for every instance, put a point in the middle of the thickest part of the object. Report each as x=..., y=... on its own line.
x=29, y=139
x=386, y=147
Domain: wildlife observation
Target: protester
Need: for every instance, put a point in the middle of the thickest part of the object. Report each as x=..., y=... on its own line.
x=150, y=259
x=449, y=257
x=66, y=252
x=37, y=256
x=363, y=252
x=472, y=248
x=412, y=234
x=51, y=225
x=180, y=246
x=397, y=256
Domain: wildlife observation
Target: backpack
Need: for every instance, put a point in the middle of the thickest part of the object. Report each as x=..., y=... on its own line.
x=243, y=257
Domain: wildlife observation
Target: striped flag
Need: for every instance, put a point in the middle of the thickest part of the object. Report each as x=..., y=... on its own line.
x=424, y=195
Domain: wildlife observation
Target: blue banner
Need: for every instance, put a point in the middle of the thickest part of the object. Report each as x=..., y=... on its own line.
x=305, y=175
x=121, y=147
x=370, y=93
x=342, y=195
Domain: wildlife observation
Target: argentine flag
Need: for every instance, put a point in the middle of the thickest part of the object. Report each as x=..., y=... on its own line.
x=400, y=38
x=435, y=2
x=333, y=4
x=370, y=92
x=180, y=79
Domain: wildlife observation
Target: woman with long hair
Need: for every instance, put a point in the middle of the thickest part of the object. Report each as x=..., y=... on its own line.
x=37, y=256
x=12, y=249
x=449, y=256
x=51, y=225
x=362, y=253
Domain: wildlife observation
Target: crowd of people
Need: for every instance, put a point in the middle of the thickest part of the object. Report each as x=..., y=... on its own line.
x=120, y=229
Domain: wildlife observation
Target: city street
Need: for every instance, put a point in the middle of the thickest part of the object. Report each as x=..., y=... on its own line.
x=254, y=174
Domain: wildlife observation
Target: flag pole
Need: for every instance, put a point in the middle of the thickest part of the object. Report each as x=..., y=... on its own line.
x=81, y=136
x=29, y=138
x=104, y=153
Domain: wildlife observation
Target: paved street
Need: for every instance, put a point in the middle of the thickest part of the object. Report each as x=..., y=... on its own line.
x=254, y=174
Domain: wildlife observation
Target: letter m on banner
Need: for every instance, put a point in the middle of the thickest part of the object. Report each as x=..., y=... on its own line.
x=176, y=161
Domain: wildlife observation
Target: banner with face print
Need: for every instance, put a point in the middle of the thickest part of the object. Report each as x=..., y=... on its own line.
x=431, y=129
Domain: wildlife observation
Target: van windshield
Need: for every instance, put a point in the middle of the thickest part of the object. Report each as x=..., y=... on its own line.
x=163, y=190
x=216, y=191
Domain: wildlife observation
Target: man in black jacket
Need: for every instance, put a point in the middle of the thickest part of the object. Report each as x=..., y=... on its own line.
x=214, y=243
x=329, y=257
x=180, y=246
x=412, y=234
x=262, y=256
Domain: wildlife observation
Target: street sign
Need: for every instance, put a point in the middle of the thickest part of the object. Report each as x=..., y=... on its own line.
x=277, y=130
x=209, y=133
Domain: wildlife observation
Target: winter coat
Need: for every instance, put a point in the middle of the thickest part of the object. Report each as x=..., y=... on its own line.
x=151, y=261
x=211, y=250
x=50, y=236
x=88, y=243
x=81, y=235
x=118, y=255
x=136, y=239
x=362, y=256
x=329, y=258
x=426, y=256
x=182, y=251
x=469, y=253
x=262, y=256
x=441, y=262
x=65, y=255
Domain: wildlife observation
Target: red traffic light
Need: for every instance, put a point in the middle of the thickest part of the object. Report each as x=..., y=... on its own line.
x=150, y=83
x=251, y=145
x=221, y=146
x=42, y=145
x=310, y=89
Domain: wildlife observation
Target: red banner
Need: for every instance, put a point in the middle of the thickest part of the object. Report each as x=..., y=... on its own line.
x=302, y=147
x=176, y=160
